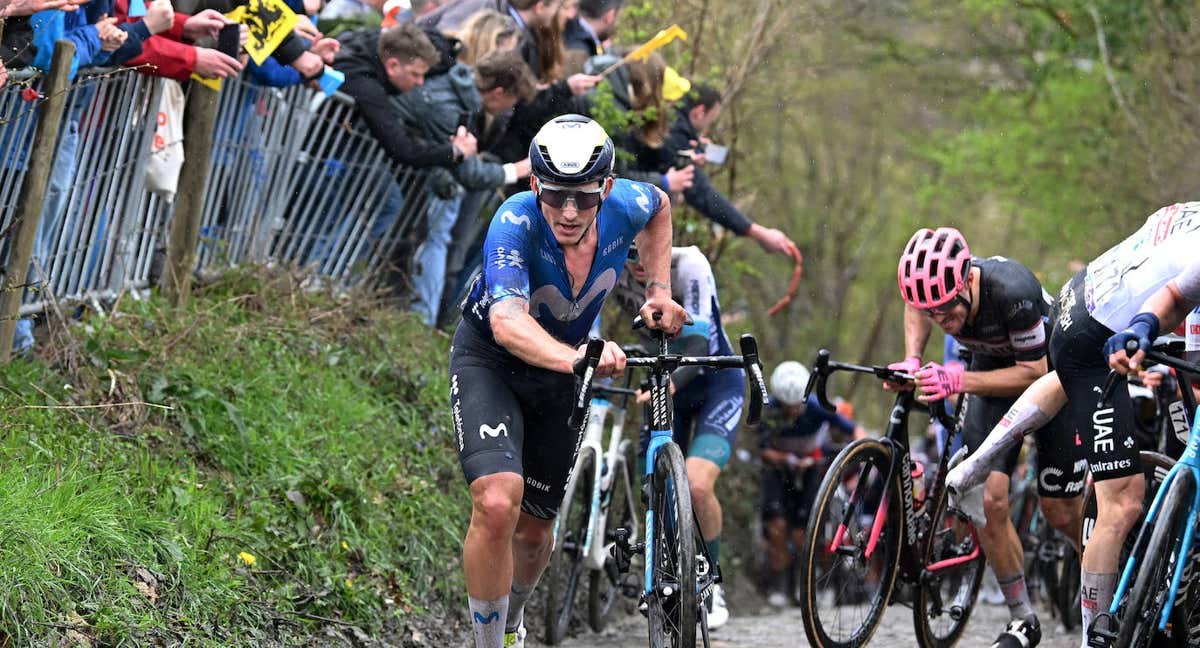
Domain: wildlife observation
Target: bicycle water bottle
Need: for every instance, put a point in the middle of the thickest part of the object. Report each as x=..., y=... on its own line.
x=918, y=479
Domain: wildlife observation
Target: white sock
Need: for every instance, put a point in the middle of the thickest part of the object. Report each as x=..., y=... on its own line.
x=1095, y=597
x=1024, y=417
x=517, y=597
x=487, y=621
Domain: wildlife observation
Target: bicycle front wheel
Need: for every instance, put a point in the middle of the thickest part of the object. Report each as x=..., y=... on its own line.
x=1142, y=607
x=672, y=600
x=846, y=574
x=946, y=594
x=566, y=563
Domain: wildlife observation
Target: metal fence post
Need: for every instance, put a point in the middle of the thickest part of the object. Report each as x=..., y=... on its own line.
x=200, y=118
x=33, y=193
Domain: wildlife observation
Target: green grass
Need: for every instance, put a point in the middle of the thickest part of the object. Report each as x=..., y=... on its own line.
x=309, y=433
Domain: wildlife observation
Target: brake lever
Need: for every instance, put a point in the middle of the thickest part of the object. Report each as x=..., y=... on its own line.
x=758, y=386
x=585, y=369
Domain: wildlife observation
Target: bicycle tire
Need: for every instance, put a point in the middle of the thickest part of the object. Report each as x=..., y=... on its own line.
x=672, y=615
x=566, y=563
x=1066, y=592
x=948, y=537
x=603, y=592
x=815, y=555
x=1148, y=594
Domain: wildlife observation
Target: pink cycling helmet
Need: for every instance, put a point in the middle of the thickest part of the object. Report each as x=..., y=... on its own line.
x=933, y=268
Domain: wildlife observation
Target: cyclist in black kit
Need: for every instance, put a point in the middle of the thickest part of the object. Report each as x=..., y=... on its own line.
x=997, y=309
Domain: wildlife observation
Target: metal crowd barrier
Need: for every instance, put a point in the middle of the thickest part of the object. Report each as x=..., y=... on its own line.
x=293, y=180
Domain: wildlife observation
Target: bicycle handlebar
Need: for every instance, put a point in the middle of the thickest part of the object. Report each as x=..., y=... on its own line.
x=666, y=363
x=1156, y=357
x=823, y=367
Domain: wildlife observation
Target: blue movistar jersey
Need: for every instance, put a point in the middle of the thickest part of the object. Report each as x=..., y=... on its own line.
x=521, y=258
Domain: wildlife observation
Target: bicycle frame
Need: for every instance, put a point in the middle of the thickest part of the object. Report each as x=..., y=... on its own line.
x=595, y=550
x=895, y=438
x=1190, y=461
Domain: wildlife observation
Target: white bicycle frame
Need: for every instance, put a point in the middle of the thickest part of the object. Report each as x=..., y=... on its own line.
x=596, y=550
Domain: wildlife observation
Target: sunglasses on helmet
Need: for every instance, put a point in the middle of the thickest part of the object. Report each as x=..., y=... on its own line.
x=945, y=308
x=557, y=197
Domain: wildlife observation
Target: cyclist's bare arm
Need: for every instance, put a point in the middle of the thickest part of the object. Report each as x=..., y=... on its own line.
x=1170, y=304
x=916, y=332
x=654, y=244
x=1009, y=381
x=516, y=330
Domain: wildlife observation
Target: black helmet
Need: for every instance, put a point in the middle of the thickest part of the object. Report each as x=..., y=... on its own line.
x=571, y=150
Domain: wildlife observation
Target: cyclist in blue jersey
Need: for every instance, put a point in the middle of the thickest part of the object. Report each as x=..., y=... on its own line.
x=551, y=257
x=792, y=436
x=707, y=403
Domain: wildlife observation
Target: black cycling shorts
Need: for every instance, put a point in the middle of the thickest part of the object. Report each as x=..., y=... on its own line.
x=511, y=417
x=1062, y=468
x=789, y=494
x=1077, y=351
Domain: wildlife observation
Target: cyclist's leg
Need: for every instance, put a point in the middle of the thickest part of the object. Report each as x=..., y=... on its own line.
x=1105, y=433
x=713, y=403
x=1041, y=401
x=1062, y=472
x=998, y=537
x=489, y=434
x=549, y=456
x=775, y=526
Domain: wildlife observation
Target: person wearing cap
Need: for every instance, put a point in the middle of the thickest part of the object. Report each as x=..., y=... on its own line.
x=792, y=436
x=996, y=309
x=551, y=257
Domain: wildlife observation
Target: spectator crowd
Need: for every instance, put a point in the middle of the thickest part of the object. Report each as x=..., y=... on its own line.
x=456, y=88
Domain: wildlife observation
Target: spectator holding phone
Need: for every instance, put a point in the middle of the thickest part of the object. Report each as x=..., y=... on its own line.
x=697, y=112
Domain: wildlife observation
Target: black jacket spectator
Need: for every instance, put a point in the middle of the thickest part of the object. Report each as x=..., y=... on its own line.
x=577, y=37
x=367, y=82
x=703, y=196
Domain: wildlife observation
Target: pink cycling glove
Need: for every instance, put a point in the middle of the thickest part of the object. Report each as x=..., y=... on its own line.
x=909, y=365
x=940, y=381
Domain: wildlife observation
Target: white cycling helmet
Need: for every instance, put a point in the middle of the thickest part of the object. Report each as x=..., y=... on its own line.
x=788, y=382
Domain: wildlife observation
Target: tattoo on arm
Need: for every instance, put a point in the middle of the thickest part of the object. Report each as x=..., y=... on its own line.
x=509, y=309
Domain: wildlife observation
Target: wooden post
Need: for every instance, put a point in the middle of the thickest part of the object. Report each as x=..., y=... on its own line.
x=200, y=118
x=33, y=193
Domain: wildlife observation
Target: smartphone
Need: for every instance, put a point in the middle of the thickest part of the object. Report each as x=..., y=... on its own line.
x=229, y=40
x=683, y=159
x=464, y=119
x=716, y=153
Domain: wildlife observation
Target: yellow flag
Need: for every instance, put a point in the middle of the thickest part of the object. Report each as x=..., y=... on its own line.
x=269, y=22
x=661, y=38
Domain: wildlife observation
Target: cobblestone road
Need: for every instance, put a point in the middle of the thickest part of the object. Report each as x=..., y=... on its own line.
x=784, y=630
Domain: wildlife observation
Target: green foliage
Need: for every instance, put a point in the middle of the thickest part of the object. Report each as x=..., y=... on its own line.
x=309, y=434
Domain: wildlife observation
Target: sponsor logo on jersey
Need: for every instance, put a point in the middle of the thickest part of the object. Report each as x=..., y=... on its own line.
x=1066, y=302
x=457, y=412
x=486, y=430
x=508, y=258
x=643, y=199
x=1123, y=464
x=608, y=249
x=512, y=219
x=562, y=308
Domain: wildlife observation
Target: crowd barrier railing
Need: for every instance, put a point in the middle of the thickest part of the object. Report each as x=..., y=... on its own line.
x=293, y=179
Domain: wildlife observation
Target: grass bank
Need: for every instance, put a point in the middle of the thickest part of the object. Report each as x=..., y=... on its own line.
x=261, y=466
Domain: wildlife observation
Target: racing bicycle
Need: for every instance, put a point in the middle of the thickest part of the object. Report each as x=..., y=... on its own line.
x=679, y=573
x=1149, y=587
x=869, y=527
x=600, y=497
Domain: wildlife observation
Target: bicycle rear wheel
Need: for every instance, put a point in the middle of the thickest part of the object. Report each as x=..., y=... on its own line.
x=671, y=603
x=603, y=590
x=566, y=564
x=843, y=592
x=1140, y=611
x=946, y=597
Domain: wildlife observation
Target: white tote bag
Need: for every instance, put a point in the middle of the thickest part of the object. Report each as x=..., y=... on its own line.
x=166, y=149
